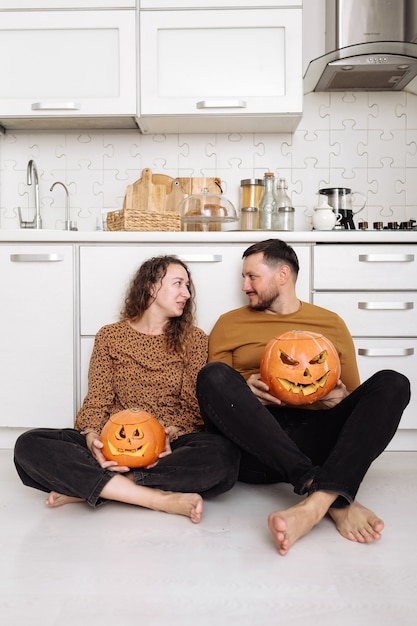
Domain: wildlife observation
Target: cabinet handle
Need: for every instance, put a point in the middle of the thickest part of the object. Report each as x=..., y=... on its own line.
x=384, y=258
x=384, y=306
x=36, y=258
x=222, y=104
x=385, y=351
x=56, y=106
x=202, y=258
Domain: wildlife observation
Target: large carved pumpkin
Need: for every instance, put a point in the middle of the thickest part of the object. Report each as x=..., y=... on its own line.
x=300, y=367
x=133, y=438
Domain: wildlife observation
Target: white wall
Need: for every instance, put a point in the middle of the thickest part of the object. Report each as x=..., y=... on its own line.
x=364, y=141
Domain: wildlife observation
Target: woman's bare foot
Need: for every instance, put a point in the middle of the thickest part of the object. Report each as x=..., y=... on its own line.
x=188, y=504
x=55, y=499
x=290, y=525
x=357, y=523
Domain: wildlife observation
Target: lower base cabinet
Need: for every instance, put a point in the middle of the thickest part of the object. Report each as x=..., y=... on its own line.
x=37, y=336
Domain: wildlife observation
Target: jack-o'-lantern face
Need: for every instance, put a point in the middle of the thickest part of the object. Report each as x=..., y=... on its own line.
x=300, y=367
x=133, y=438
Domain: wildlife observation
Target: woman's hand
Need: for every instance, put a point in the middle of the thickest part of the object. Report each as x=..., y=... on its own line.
x=95, y=447
x=261, y=389
x=170, y=432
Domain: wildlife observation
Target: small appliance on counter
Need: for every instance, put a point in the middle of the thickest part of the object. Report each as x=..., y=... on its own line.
x=341, y=199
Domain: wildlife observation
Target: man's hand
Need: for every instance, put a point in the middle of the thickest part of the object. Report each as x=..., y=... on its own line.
x=336, y=395
x=261, y=390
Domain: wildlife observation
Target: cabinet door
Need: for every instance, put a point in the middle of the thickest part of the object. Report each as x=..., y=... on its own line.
x=36, y=336
x=396, y=354
x=219, y=65
x=68, y=63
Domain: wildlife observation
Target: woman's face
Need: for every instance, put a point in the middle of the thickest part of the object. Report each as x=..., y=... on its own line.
x=171, y=293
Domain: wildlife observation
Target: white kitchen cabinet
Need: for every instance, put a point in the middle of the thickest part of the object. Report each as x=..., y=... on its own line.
x=37, y=336
x=374, y=289
x=220, y=70
x=105, y=273
x=67, y=64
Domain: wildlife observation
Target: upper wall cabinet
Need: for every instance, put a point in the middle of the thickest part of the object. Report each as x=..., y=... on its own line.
x=220, y=69
x=68, y=67
x=67, y=4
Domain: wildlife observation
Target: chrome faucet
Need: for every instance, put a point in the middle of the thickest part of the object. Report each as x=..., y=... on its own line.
x=32, y=178
x=68, y=225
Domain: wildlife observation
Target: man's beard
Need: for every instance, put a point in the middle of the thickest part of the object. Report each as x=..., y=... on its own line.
x=266, y=301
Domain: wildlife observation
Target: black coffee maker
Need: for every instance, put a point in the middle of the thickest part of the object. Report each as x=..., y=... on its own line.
x=341, y=200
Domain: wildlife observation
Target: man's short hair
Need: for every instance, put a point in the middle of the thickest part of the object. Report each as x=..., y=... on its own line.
x=276, y=252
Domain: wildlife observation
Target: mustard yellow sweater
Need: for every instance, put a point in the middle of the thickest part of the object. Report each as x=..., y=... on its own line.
x=239, y=337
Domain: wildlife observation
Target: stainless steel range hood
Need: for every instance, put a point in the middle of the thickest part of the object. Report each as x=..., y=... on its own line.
x=371, y=46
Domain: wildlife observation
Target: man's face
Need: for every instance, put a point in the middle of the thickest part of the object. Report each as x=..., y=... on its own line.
x=260, y=282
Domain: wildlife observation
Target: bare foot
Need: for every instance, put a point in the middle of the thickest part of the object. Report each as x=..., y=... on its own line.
x=188, y=504
x=58, y=499
x=357, y=523
x=290, y=525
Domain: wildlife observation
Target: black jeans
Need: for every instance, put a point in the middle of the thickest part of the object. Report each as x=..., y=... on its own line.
x=333, y=448
x=58, y=460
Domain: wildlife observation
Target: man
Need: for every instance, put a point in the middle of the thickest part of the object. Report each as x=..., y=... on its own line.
x=324, y=450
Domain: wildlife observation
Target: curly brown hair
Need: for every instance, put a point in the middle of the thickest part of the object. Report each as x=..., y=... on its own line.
x=138, y=299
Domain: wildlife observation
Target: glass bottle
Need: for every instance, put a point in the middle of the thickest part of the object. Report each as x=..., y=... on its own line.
x=284, y=216
x=268, y=204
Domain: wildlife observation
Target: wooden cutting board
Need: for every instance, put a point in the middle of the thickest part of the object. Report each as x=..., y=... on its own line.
x=144, y=195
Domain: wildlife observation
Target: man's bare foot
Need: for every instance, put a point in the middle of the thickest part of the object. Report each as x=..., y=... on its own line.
x=290, y=525
x=357, y=523
x=55, y=499
x=188, y=504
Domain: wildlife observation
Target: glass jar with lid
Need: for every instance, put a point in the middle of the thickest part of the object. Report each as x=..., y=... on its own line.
x=251, y=194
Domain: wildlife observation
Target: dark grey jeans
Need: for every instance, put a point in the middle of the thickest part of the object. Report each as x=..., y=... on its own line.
x=334, y=448
x=58, y=460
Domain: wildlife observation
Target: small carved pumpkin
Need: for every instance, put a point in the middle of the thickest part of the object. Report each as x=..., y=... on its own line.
x=133, y=438
x=300, y=367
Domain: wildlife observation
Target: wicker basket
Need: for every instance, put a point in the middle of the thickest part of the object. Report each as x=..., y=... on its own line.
x=145, y=206
x=132, y=219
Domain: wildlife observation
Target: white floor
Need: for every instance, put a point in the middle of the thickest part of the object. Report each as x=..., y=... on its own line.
x=121, y=565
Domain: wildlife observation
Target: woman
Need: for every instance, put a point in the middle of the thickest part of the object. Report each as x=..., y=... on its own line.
x=149, y=359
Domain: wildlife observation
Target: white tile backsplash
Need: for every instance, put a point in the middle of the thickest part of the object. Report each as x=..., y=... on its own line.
x=364, y=141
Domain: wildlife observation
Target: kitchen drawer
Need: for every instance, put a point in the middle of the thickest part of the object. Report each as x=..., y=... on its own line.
x=105, y=273
x=395, y=354
x=371, y=266
x=373, y=313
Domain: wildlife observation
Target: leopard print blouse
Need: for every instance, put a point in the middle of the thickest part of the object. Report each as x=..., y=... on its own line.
x=129, y=369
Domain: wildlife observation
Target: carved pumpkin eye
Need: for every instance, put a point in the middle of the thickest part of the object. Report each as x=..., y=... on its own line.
x=300, y=367
x=286, y=359
x=320, y=358
x=133, y=438
x=119, y=433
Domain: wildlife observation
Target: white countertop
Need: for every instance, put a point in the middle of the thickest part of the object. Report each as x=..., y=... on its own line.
x=312, y=236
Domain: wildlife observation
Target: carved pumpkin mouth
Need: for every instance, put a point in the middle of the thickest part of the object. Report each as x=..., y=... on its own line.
x=140, y=451
x=305, y=388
